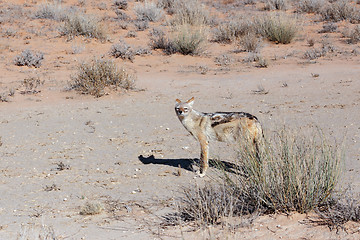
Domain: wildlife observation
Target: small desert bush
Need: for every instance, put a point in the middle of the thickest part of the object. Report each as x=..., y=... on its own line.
x=275, y=4
x=210, y=204
x=93, y=77
x=82, y=25
x=51, y=11
x=121, y=15
x=290, y=172
x=29, y=58
x=159, y=40
x=338, y=10
x=329, y=27
x=168, y=5
x=354, y=35
x=224, y=60
x=278, y=28
x=228, y=31
x=148, y=11
x=250, y=43
x=314, y=53
x=310, y=6
x=91, y=208
x=286, y=172
x=141, y=25
x=37, y=232
x=120, y=4
x=31, y=85
x=341, y=208
x=122, y=50
x=189, y=40
x=191, y=12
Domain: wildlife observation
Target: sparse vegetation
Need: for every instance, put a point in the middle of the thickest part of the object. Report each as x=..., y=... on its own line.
x=292, y=173
x=91, y=208
x=53, y=11
x=148, y=11
x=120, y=4
x=275, y=4
x=29, y=58
x=122, y=50
x=82, y=25
x=278, y=28
x=328, y=28
x=354, y=35
x=228, y=31
x=189, y=40
x=93, y=77
x=31, y=85
x=310, y=6
x=338, y=10
x=191, y=12
x=250, y=43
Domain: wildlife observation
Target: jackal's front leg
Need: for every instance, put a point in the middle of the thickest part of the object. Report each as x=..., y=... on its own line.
x=204, y=156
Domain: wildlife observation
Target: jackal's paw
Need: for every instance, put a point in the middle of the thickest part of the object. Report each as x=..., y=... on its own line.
x=200, y=174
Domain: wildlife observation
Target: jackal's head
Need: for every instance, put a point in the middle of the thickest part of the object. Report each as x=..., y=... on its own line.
x=183, y=109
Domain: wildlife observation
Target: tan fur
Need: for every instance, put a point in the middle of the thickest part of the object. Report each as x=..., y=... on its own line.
x=220, y=126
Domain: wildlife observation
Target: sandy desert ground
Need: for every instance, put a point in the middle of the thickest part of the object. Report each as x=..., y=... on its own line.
x=60, y=149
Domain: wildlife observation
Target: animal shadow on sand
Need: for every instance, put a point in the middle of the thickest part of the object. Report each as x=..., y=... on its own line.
x=188, y=163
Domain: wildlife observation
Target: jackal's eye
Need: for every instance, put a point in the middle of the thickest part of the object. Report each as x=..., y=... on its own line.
x=185, y=109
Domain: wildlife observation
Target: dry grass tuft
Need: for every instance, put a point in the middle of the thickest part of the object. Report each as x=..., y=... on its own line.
x=191, y=12
x=286, y=172
x=29, y=58
x=93, y=77
x=82, y=25
x=278, y=28
x=91, y=209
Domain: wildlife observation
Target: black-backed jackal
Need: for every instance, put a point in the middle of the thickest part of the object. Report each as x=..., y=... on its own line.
x=221, y=126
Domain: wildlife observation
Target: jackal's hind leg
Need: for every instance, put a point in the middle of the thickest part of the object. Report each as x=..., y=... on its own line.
x=204, y=156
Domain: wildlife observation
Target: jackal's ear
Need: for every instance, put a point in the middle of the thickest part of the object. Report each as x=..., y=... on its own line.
x=178, y=101
x=190, y=101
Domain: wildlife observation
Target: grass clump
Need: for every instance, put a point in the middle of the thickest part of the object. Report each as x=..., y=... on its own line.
x=52, y=11
x=191, y=12
x=120, y=4
x=82, y=25
x=354, y=35
x=91, y=208
x=275, y=5
x=278, y=28
x=148, y=11
x=93, y=77
x=310, y=6
x=122, y=50
x=338, y=10
x=228, y=31
x=288, y=172
x=185, y=39
x=189, y=40
x=29, y=58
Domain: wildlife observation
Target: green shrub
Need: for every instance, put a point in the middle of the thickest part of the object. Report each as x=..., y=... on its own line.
x=93, y=77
